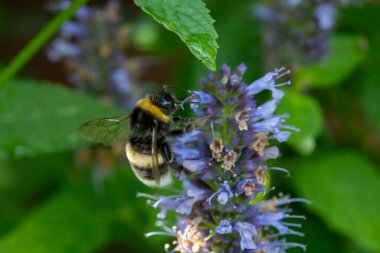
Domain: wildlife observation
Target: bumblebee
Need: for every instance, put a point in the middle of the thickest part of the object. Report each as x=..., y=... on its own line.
x=147, y=127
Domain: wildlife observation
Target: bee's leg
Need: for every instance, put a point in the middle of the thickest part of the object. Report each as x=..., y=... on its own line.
x=178, y=119
x=179, y=131
x=169, y=159
x=189, y=124
x=176, y=132
x=183, y=171
x=166, y=153
x=180, y=170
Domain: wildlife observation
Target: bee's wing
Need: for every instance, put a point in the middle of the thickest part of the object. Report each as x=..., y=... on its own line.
x=105, y=131
x=155, y=165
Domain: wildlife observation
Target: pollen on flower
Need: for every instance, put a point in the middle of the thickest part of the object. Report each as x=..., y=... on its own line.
x=216, y=148
x=242, y=118
x=229, y=161
x=269, y=206
x=260, y=141
x=260, y=176
x=191, y=240
x=248, y=187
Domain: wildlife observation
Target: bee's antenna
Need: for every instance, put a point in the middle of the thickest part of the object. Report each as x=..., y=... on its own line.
x=175, y=87
x=188, y=100
x=179, y=102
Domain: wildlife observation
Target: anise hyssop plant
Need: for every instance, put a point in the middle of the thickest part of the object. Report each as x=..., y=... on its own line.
x=222, y=206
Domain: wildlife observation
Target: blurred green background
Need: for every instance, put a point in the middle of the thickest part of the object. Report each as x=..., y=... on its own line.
x=59, y=193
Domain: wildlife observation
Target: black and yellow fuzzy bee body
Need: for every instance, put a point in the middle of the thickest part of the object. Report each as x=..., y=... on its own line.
x=147, y=149
x=150, y=123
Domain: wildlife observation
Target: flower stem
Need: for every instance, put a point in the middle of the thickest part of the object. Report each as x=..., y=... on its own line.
x=38, y=41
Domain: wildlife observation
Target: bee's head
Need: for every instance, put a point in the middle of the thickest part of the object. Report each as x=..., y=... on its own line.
x=164, y=100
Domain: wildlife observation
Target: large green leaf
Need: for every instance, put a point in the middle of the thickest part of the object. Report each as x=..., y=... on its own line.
x=110, y=205
x=346, y=54
x=305, y=114
x=38, y=118
x=191, y=21
x=344, y=188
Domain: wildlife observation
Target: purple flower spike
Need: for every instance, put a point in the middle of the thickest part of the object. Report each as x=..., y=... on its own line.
x=220, y=206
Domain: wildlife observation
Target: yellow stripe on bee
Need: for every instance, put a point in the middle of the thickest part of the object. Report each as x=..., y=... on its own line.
x=141, y=160
x=146, y=105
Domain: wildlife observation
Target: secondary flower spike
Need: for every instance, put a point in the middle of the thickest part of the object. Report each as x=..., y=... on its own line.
x=222, y=205
x=297, y=32
x=92, y=46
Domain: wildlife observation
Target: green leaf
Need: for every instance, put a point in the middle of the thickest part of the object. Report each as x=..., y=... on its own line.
x=315, y=233
x=360, y=18
x=371, y=97
x=305, y=114
x=344, y=188
x=63, y=225
x=191, y=21
x=43, y=174
x=369, y=82
x=39, y=118
x=146, y=36
x=38, y=171
x=346, y=54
